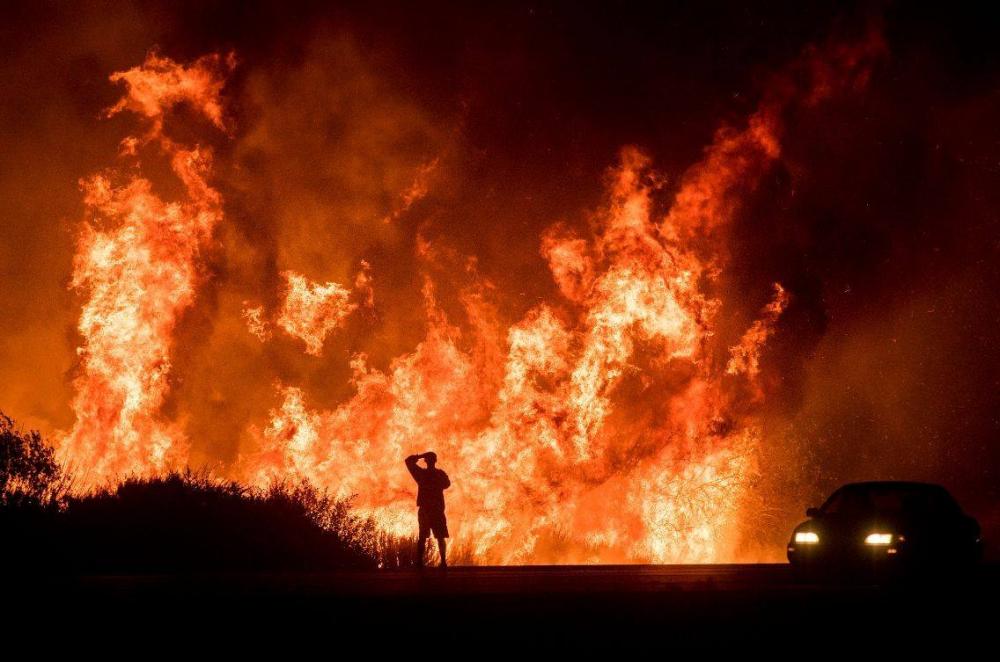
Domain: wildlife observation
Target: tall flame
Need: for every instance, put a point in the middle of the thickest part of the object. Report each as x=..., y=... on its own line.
x=137, y=265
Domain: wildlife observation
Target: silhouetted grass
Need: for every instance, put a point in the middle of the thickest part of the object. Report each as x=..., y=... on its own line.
x=181, y=522
x=186, y=522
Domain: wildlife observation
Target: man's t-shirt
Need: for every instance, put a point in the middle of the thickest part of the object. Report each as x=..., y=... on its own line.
x=431, y=484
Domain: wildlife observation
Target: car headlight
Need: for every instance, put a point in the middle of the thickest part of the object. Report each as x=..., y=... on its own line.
x=806, y=537
x=879, y=539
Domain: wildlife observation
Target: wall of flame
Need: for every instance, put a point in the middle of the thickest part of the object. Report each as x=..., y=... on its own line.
x=304, y=271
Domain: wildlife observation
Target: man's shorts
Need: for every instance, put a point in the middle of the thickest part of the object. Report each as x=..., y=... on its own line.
x=432, y=521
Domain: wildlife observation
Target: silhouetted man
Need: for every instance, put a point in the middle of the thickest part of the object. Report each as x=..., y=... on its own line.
x=431, y=484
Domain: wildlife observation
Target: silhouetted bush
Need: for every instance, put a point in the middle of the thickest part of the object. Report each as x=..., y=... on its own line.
x=30, y=477
x=187, y=523
x=182, y=522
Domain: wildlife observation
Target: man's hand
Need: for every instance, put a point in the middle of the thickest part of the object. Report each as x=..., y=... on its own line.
x=413, y=459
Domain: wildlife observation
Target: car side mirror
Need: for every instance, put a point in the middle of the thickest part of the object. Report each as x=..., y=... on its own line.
x=813, y=512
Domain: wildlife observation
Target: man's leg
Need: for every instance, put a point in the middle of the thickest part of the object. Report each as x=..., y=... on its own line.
x=443, y=549
x=421, y=545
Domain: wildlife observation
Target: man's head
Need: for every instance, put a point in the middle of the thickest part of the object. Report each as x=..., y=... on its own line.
x=431, y=459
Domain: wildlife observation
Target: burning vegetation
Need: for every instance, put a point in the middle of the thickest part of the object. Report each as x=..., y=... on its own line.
x=605, y=425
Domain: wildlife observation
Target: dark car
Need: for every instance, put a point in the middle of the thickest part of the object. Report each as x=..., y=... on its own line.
x=886, y=524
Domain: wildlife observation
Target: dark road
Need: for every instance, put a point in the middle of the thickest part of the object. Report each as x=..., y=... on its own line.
x=667, y=581
x=469, y=581
x=714, y=606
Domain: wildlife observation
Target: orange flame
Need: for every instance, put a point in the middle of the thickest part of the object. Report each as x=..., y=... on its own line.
x=256, y=324
x=416, y=191
x=312, y=310
x=745, y=356
x=137, y=264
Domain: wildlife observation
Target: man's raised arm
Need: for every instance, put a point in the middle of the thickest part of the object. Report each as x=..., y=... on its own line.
x=411, y=465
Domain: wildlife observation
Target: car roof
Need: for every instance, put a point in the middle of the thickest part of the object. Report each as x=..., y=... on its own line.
x=897, y=484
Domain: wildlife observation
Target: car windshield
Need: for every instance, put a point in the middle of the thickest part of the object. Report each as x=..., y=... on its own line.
x=854, y=500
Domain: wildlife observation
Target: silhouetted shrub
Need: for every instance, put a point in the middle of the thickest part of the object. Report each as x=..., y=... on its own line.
x=182, y=522
x=30, y=477
x=32, y=490
x=187, y=522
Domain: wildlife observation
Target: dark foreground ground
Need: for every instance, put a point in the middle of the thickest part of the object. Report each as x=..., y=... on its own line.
x=491, y=609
